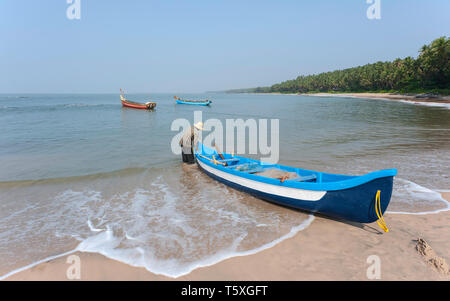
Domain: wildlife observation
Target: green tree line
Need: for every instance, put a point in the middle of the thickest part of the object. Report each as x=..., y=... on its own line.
x=429, y=72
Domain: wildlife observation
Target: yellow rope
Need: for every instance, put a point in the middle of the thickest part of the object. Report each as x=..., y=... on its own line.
x=380, y=220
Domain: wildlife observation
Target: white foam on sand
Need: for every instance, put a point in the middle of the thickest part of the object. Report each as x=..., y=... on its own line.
x=105, y=244
x=416, y=196
x=145, y=223
x=92, y=228
x=428, y=104
x=3, y=277
x=168, y=230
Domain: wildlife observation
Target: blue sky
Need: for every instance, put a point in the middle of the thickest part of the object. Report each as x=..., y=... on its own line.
x=201, y=45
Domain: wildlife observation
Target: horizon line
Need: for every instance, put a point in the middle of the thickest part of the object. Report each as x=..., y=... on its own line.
x=28, y=93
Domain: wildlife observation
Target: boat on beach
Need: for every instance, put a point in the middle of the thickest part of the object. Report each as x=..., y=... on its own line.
x=193, y=102
x=361, y=199
x=136, y=105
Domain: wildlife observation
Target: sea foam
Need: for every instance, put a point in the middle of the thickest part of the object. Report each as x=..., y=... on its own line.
x=172, y=231
x=105, y=244
x=418, y=199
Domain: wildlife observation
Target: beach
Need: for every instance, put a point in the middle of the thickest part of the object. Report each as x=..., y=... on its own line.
x=439, y=100
x=147, y=216
x=327, y=250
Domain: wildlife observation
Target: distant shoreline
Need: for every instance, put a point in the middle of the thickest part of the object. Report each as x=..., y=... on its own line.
x=407, y=97
x=415, y=98
x=411, y=98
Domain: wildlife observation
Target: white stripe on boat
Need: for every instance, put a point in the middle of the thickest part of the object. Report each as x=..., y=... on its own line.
x=293, y=193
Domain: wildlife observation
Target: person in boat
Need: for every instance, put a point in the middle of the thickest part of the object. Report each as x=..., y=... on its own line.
x=189, y=141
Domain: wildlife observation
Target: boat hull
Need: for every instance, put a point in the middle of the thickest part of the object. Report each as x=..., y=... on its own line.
x=138, y=106
x=354, y=204
x=207, y=103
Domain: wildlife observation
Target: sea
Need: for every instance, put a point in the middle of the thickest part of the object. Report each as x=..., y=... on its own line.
x=80, y=172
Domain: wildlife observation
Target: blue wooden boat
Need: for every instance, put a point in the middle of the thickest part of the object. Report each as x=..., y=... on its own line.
x=361, y=199
x=193, y=102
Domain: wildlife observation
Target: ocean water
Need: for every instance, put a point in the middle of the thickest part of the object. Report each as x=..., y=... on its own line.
x=81, y=172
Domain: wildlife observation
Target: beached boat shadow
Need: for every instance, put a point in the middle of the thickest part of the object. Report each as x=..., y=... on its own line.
x=361, y=226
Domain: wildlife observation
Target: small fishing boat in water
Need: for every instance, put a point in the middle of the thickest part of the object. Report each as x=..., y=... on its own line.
x=136, y=105
x=361, y=199
x=193, y=102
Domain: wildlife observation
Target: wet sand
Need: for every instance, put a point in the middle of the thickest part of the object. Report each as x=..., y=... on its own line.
x=327, y=250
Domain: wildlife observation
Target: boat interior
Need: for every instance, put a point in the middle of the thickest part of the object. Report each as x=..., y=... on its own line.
x=283, y=173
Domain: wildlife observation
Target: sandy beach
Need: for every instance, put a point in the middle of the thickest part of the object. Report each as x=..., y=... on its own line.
x=327, y=250
x=437, y=101
x=390, y=96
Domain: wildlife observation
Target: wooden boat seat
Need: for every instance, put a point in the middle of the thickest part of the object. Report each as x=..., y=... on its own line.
x=255, y=170
x=236, y=166
x=228, y=160
x=304, y=178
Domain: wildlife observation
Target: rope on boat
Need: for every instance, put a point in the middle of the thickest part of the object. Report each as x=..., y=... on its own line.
x=380, y=220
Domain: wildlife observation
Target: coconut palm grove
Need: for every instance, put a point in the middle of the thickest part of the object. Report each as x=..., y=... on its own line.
x=428, y=73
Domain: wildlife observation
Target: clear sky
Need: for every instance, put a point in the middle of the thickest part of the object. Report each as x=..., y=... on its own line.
x=201, y=45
